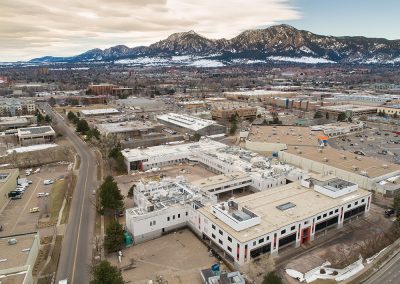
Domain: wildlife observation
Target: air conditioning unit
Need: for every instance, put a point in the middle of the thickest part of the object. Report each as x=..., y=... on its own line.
x=326, y=160
x=385, y=166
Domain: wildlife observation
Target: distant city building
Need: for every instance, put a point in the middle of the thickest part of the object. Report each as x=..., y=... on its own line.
x=349, y=110
x=225, y=112
x=109, y=89
x=16, y=107
x=390, y=109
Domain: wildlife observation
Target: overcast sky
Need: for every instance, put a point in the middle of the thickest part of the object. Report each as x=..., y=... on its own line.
x=34, y=28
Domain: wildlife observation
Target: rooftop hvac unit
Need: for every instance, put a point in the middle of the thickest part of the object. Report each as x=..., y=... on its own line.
x=326, y=160
x=364, y=173
x=358, y=158
x=344, y=157
x=299, y=152
x=385, y=166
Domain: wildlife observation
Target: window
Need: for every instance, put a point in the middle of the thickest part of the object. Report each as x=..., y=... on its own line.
x=187, y=213
x=212, y=235
x=254, y=243
x=283, y=232
x=356, y=203
x=229, y=239
x=330, y=213
x=151, y=223
x=362, y=200
x=168, y=218
x=267, y=238
x=261, y=240
x=173, y=217
x=348, y=206
x=293, y=228
x=229, y=248
x=220, y=242
x=221, y=233
x=324, y=215
x=154, y=222
x=213, y=226
x=337, y=210
x=179, y=215
x=319, y=217
x=305, y=222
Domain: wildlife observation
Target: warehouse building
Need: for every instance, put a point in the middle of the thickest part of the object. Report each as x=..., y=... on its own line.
x=98, y=112
x=35, y=135
x=349, y=110
x=129, y=129
x=191, y=125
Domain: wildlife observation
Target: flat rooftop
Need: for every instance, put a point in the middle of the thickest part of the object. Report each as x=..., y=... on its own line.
x=202, y=145
x=37, y=130
x=335, y=158
x=256, y=93
x=126, y=126
x=219, y=179
x=265, y=204
x=348, y=108
x=290, y=135
x=186, y=121
x=15, y=255
x=99, y=111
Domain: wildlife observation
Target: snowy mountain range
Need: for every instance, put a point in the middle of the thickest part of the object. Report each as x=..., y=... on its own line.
x=281, y=43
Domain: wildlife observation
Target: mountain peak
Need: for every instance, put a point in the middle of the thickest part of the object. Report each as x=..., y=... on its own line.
x=279, y=41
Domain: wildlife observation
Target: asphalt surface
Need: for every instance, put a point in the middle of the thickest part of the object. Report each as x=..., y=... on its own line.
x=388, y=274
x=76, y=252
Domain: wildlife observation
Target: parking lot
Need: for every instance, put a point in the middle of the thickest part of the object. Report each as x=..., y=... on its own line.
x=15, y=217
x=381, y=144
x=177, y=257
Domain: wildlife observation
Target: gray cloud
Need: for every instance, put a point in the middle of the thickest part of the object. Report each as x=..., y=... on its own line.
x=30, y=28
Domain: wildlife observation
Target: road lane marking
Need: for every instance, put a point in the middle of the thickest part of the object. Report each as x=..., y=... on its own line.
x=79, y=226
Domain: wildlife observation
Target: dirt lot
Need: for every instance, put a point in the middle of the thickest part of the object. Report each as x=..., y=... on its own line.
x=177, y=257
x=15, y=217
x=327, y=247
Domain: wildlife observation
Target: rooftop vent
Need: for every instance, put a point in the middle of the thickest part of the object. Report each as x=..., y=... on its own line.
x=286, y=206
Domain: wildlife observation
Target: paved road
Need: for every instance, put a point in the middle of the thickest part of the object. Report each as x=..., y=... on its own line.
x=77, y=243
x=389, y=274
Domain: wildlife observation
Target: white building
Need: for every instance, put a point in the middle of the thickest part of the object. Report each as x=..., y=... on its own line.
x=267, y=221
x=191, y=124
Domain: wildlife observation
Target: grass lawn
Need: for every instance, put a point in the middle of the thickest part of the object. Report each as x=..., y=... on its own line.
x=52, y=266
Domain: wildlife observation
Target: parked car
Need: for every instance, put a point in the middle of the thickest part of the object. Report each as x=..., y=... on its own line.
x=48, y=181
x=34, y=210
x=15, y=197
x=389, y=212
x=42, y=194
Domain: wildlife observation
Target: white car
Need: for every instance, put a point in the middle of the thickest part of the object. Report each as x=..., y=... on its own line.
x=48, y=181
x=42, y=194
